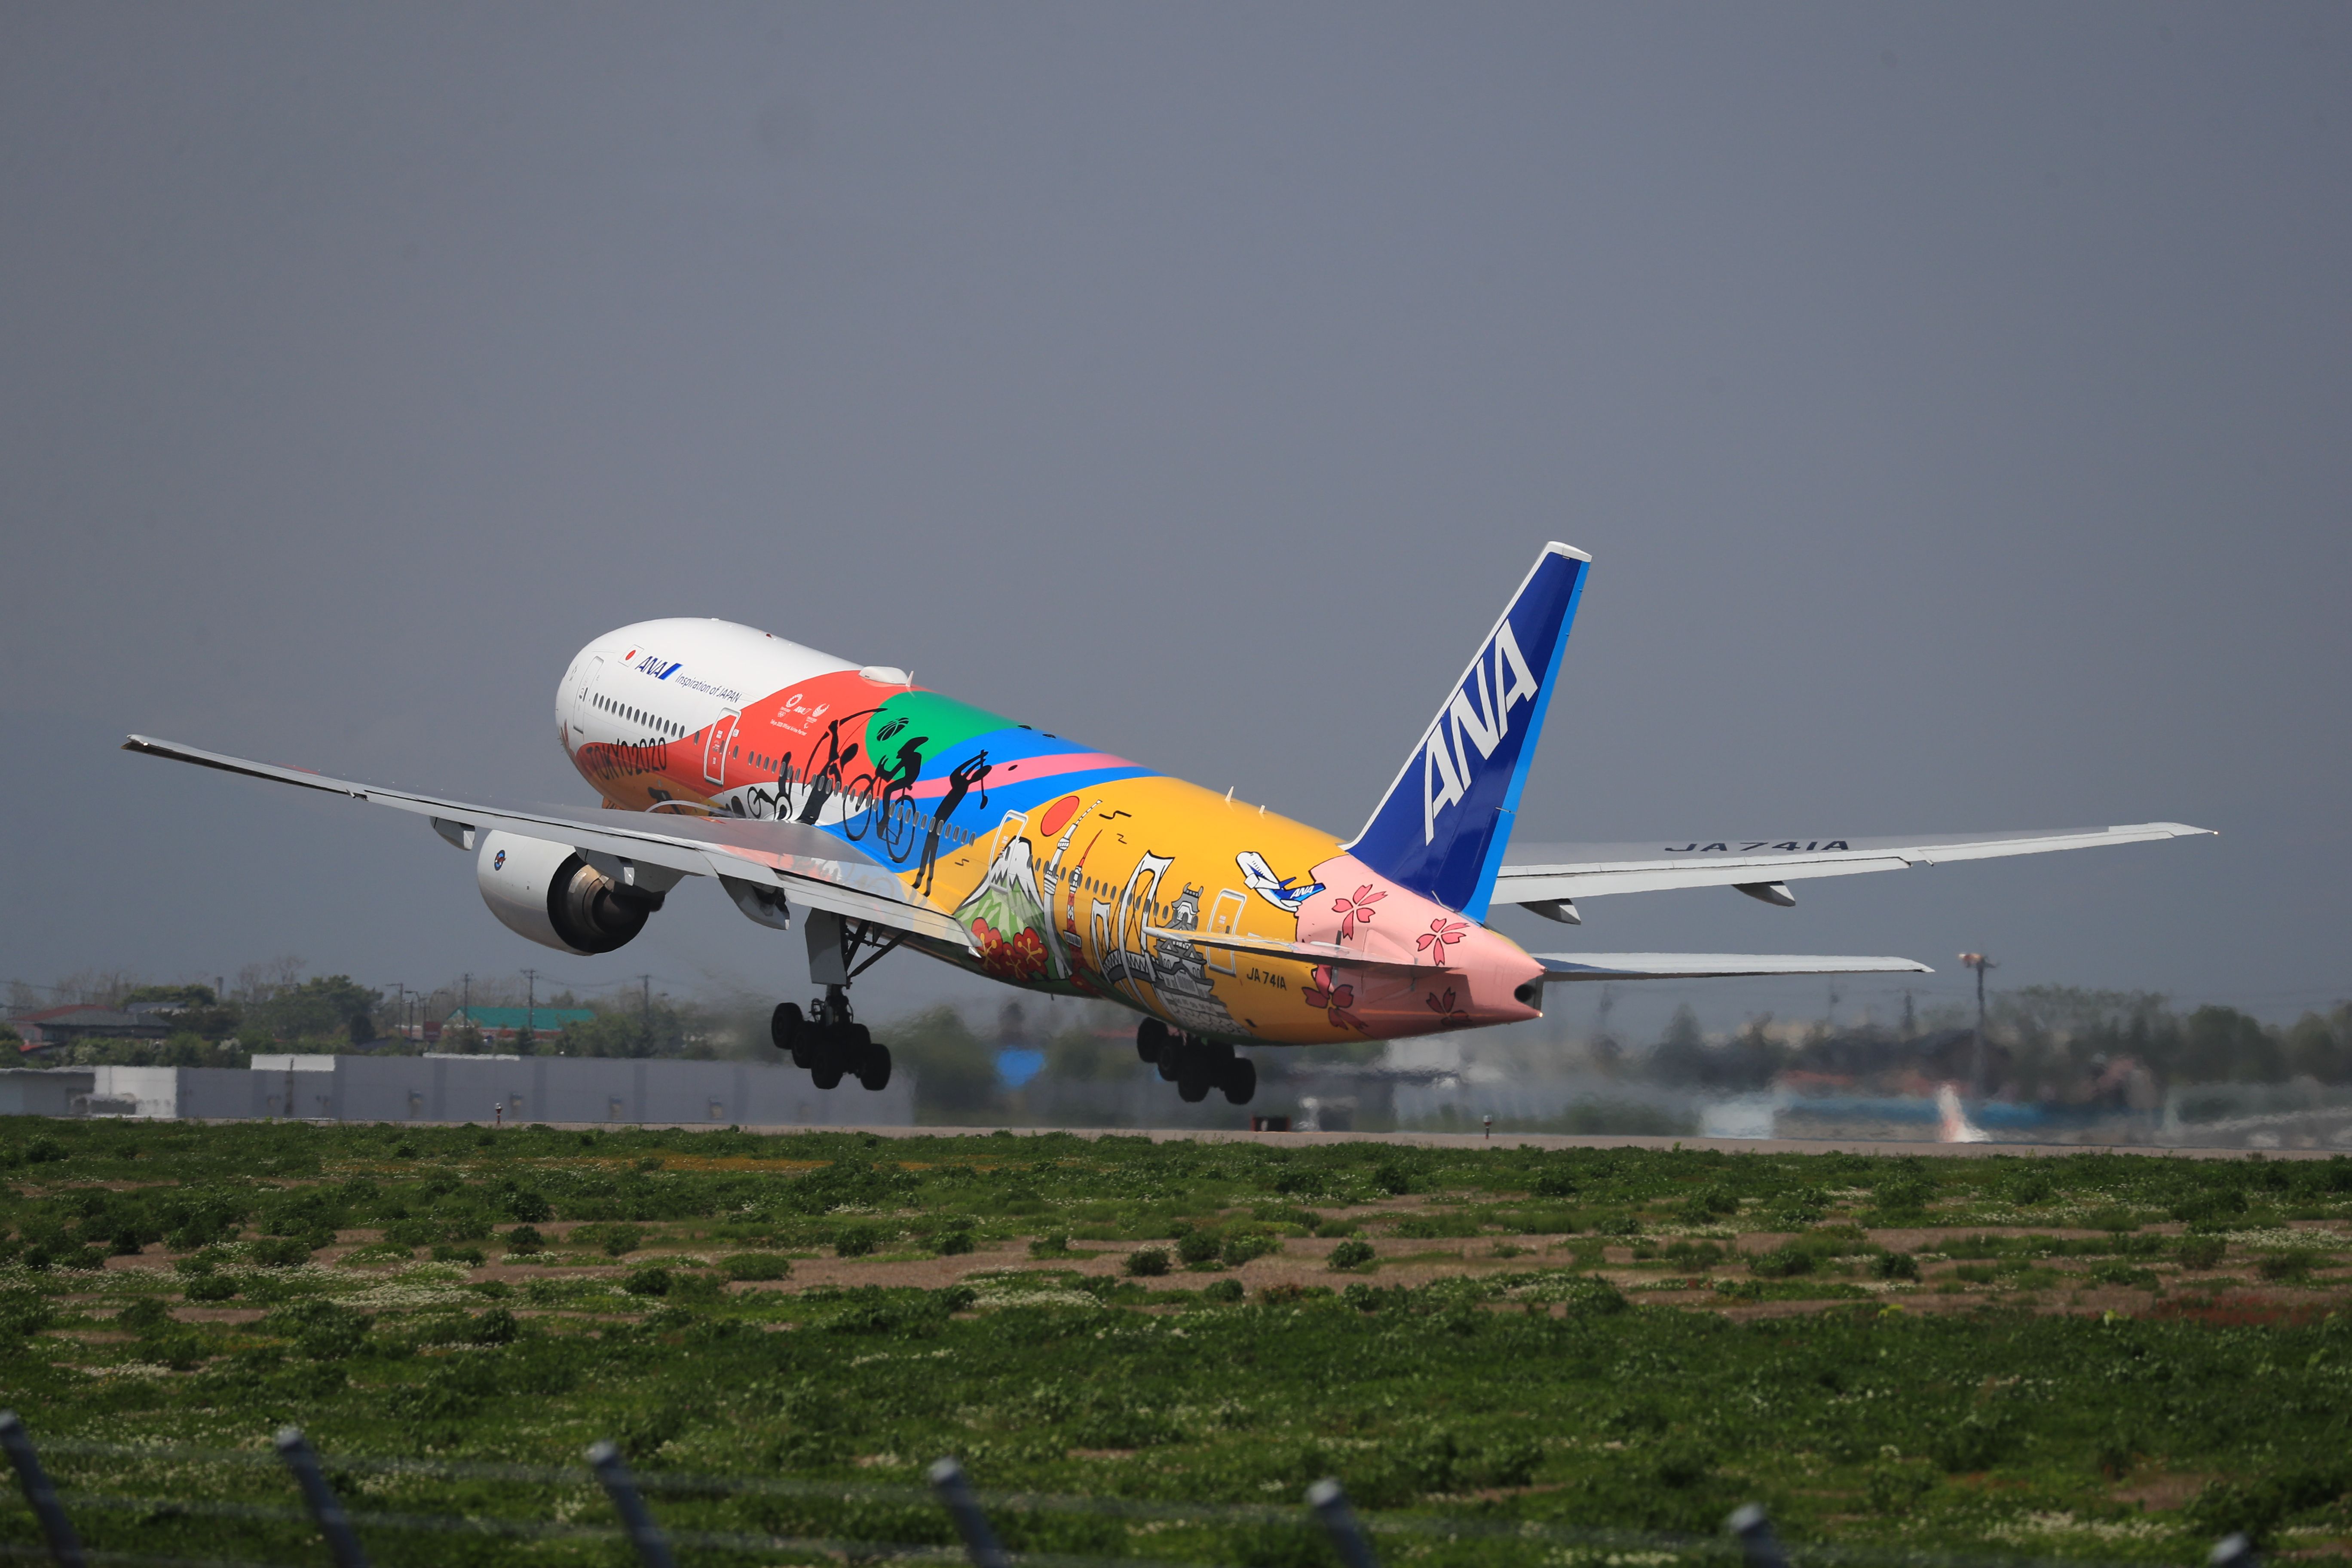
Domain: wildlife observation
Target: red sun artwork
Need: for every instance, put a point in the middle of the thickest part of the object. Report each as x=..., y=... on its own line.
x=1058, y=814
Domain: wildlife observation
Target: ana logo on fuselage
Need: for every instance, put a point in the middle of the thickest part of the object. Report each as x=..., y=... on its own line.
x=1446, y=771
x=653, y=664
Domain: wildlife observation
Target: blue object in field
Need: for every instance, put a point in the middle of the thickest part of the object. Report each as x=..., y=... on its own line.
x=1910, y=1108
x=1019, y=1064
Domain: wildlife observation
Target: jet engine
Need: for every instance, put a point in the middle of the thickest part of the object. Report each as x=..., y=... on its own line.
x=549, y=893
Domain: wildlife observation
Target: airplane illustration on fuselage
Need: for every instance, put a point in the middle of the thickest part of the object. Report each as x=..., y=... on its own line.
x=881, y=815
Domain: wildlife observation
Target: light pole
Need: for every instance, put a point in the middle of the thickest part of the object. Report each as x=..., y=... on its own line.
x=1980, y=963
x=530, y=1007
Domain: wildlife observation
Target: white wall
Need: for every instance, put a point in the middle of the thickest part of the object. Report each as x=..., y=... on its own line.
x=152, y=1091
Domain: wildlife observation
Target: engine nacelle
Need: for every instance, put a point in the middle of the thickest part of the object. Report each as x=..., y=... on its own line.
x=545, y=892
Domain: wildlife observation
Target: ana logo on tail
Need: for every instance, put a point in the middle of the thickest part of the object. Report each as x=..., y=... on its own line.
x=1446, y=766
x=1439, y=830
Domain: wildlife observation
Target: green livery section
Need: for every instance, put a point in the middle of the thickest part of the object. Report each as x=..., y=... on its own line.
x=927, y=717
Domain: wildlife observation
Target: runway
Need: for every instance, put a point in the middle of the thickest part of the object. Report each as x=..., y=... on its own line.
x=1511, y=1140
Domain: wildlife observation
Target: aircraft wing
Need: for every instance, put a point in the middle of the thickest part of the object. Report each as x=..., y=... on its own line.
x=1547, y=873
x=1710, y=966
x=803, y=862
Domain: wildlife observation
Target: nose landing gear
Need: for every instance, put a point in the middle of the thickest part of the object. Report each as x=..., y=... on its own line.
x=829, y=1044
x=1195, y=1066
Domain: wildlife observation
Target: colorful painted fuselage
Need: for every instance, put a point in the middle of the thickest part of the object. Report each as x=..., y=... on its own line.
x=1060, y=860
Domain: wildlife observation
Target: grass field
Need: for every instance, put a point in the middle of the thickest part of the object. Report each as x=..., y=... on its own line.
x=2105, y=1357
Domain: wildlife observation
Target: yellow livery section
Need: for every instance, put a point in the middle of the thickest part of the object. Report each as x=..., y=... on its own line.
x=1082, y=897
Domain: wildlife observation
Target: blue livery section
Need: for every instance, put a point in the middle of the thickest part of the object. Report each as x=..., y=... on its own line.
x=1442, y=829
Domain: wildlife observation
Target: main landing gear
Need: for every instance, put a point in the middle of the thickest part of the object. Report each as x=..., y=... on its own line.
x=829, y=1043
x=1195, y=1066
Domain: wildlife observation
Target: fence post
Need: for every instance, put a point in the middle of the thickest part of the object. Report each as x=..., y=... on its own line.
x=953, y=1488
x=1329, y=1501
x=1758, y=1547
x=653, y=1550
x=65, y=1546
x=2235, y=1552
x=325, y=1506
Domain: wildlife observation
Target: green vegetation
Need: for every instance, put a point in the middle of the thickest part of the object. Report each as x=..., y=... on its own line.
x=2107, y=1357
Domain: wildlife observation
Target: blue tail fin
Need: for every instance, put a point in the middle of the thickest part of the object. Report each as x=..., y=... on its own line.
x=1442, y=828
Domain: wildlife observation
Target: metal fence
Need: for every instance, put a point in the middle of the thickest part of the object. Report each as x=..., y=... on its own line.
x=1748, y=1540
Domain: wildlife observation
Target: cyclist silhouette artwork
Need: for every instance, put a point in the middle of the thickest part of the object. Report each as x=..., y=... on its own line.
x=884, y=795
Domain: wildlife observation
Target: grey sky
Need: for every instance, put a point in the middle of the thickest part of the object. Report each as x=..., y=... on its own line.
x=1957, y=402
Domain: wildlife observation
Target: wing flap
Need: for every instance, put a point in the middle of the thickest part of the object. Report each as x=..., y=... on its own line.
x=1539, y=873
x=804, y=861
x=1711, y=965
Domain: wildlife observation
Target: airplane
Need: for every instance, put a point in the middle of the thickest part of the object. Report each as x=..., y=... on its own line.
x=883, y=815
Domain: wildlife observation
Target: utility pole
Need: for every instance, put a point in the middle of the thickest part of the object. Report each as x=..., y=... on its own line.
x=531, y=1003
x=645, y=1007
x=1980, y=963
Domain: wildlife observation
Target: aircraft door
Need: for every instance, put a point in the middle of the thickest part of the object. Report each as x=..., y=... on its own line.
x=577, y=718
x=1224, y=919
x=714, y=750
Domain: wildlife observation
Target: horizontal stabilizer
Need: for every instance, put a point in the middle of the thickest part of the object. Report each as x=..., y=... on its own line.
x=1710, y=966
x=1543, y=872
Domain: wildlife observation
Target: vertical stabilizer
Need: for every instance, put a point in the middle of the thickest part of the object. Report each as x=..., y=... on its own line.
x=1443, y=826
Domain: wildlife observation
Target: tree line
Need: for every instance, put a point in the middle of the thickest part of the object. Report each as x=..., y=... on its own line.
x=2041, y=1042
x=273, y=1009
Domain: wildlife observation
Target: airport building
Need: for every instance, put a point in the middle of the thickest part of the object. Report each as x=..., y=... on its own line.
x=483, y=1089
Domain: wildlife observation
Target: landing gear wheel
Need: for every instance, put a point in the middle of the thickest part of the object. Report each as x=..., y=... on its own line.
x=874, y=1067
x=1150, y=1039
x=1193, y=1086
x=829, y=1060
x=838, y=1051
x=1170, y=1059
x=1239, y=1080
x=784, y=1027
